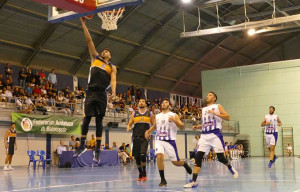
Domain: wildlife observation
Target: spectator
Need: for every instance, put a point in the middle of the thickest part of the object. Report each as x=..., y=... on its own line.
x=1, y=86
x=72, y=143
x=8, y=71
x=42, y=77
x=33, y=82
x=16, y=92
x=289, y=149
x=148, y=103
x=132, y=92
x=138, y=93
x=28, y=89
x=43, y=90
x=122, y=154
x=66, y=90
x=52, y=78
x=8, y=82
x=22, y=77
x=93, y=141
x=128, y=150
x=106, y=147
x=36, y=90
x=37, y=78
x=29, y=104
x=40, y=105
x=8, y=94
x=61, y=148
x=88, y=145
x=1, y=77
x=29, y=76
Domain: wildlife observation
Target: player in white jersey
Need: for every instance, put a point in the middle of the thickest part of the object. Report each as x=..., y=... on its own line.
x=270, y=122
x=166, y=126
x=212, y=116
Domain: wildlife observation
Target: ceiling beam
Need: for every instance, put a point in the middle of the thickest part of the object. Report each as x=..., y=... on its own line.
x=119, y=39
x=181, y=43
x=258, y=14
x=86, y=55
x=2, y=3
x=283, y=12
x=149, y=36
x=78, y=58
x=274, y=47
x=41, y=42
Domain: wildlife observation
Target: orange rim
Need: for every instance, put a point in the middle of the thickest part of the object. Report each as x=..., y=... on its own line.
x=115, y=12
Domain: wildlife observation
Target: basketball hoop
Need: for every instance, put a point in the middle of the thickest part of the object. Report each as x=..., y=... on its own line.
x=110, y=18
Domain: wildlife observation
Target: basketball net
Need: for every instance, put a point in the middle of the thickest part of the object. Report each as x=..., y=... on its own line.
x=110, y=18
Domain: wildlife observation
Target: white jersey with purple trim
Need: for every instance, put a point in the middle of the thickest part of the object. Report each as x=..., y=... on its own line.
x=211, y=122
x=272, y=128
x=166, y=130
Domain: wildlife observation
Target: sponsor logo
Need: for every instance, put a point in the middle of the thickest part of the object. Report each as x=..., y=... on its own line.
x=26, y=124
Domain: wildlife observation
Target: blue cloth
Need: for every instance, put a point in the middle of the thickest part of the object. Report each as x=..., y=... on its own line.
x=86, y=158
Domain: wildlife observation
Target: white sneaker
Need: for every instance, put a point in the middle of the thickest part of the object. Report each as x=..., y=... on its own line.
x=235, y=173
x=5, y=168
x=191, y=185
x=10, y=168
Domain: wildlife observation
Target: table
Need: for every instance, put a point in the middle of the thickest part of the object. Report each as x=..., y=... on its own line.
x=86, y=159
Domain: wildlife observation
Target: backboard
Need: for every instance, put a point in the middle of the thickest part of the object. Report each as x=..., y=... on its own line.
x=71, y=9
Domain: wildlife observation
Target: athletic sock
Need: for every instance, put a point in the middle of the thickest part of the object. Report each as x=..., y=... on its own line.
x=98, y=144
x=162, y=174
x=82, y=142
x=195, y=175
x=144, y=168
x=140, y=171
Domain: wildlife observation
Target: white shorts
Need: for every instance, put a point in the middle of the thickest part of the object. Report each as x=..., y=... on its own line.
x=271, y=139
x=207, y=141
x=168, y=147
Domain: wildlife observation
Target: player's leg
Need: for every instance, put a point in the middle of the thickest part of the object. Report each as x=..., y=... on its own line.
x=5, y=168
x=159, y=150
x=99, y=130
x=143, y=152
x=204, y=148
x=171, y=150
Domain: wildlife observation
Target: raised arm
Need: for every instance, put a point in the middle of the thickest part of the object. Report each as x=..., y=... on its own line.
x=223, y=114
x=177, y=121
x=89, y=40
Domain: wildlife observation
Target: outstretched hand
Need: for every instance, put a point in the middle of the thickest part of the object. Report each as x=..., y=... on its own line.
x=111, y=96
x=82, y=20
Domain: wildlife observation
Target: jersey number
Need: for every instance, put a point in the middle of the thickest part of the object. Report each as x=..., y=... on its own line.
x=142, y=119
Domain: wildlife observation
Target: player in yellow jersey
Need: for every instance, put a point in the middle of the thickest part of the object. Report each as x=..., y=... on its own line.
x=102, y=75
x=141, y=119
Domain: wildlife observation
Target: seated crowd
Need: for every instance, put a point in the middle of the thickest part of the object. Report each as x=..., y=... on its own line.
x=124, y=151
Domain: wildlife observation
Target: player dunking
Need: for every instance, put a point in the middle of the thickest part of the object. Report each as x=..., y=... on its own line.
x=211, y=136
x=167, y=124
x=141, y=120
x=270, y=122
x=102, y=74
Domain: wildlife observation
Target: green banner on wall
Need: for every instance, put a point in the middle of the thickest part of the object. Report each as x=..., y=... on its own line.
x=46, y=124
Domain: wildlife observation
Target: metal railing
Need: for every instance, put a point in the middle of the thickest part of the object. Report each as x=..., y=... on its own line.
x=116, y=115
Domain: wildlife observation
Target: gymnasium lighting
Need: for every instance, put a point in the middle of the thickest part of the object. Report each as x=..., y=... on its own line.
x=251, y=32
x=186, y=1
